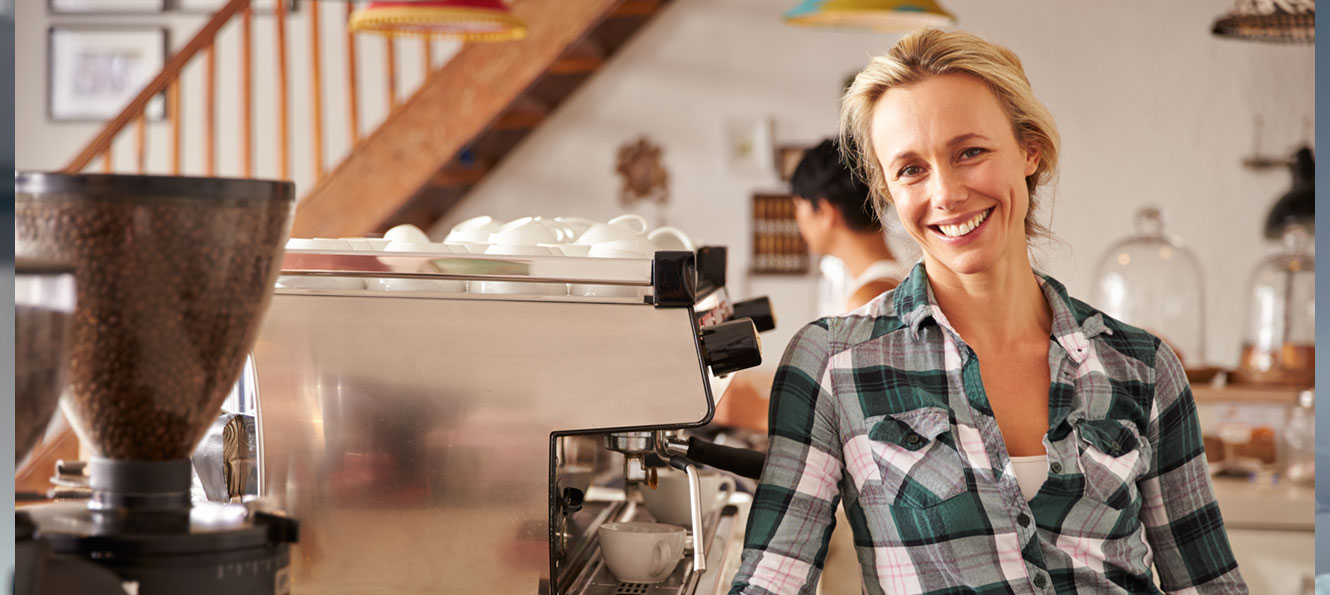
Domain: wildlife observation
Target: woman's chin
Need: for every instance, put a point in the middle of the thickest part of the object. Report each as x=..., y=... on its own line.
x=971, y=263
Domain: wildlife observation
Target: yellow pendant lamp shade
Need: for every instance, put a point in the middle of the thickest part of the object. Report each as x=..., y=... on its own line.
x=883, y=16
x=465, y=20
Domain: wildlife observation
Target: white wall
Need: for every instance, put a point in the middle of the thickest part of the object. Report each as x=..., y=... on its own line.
x=44, y=144
x=1152, y=108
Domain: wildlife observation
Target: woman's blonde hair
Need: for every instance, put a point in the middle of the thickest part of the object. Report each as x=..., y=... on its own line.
x=927, y=53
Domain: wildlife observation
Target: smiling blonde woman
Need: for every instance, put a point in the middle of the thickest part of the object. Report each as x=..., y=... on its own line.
x=1070, y=461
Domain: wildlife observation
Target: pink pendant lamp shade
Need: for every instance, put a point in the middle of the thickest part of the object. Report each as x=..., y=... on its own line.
x=465, y=20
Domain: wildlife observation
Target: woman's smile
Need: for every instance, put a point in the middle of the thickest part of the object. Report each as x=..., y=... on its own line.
x=959, y=231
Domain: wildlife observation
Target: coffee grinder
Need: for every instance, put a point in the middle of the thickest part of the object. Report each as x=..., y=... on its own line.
x=173, y=277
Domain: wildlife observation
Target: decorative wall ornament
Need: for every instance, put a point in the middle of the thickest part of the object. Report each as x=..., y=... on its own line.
x=643, y=175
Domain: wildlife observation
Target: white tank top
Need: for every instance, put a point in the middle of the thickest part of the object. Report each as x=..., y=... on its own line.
x=835, y=286
x=882, y=270
x=1031, y=472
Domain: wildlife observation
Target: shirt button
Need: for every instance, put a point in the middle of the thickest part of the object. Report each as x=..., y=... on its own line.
x=913, y=439
x=1040, y=581
x=1055, y=468
x=1023, y=519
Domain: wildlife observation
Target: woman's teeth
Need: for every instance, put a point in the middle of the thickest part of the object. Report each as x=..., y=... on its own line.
x=956, y=231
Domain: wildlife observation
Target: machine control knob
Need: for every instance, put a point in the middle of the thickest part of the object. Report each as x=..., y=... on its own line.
x=572, y=500
x=758, y=309
x=731, y=346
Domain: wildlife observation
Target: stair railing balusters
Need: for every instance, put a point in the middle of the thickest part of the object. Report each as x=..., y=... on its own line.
x=317, y=87
x=353, y=102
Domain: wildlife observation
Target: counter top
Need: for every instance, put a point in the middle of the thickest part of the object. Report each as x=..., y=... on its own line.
x=1252, y=505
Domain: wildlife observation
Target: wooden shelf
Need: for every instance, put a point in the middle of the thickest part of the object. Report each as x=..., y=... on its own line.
x=1239, y=393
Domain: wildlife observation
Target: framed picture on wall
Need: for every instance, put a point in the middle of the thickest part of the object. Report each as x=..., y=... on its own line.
x=211, y=6
x=93, y=72
x=787, y=159
x=104, y=6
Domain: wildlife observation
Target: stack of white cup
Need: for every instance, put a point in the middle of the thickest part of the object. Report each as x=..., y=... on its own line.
x=625, y=236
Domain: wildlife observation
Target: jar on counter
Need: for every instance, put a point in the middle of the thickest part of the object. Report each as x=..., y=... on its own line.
x=1279, y=347
x=1299, y=444
x=1152, y=280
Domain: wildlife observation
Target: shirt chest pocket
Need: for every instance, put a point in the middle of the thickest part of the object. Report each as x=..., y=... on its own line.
x=1113, y=457
x=915, y=454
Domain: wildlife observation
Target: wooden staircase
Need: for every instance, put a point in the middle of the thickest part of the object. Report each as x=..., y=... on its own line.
x=432, y=148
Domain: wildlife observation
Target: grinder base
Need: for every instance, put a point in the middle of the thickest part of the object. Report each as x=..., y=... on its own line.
x=221, y=549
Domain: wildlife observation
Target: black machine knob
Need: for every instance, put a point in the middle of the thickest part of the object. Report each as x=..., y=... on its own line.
x=759, y=310
x=572, y=500
x=731, y=346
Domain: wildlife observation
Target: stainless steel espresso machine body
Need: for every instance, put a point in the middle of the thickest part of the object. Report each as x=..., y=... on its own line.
x=437, y=440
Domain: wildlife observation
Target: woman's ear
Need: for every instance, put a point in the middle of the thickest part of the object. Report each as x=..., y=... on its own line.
x=1031, y=160
x=826, y=214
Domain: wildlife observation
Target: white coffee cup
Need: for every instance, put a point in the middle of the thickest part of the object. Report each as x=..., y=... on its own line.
x=397, y=284
x=475, y=229
x=627, y=247
x=527, y=231
x=670, y=238
x=575, y=226
x=641, y=552
x=670, y=502
x=406, y=233
x=517, y=287
x=623, y=226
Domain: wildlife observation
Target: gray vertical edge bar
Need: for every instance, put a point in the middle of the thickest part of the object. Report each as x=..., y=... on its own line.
x=1322, y=323
x=7, y=334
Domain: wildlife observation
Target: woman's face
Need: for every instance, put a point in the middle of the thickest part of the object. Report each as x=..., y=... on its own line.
x=955, y=171
x=813, y=223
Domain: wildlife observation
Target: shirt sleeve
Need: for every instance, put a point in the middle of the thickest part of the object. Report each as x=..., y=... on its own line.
x=1180, y=514
x=793, y=511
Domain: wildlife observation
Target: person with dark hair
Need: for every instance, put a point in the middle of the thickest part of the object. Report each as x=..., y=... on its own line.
x=835, y=217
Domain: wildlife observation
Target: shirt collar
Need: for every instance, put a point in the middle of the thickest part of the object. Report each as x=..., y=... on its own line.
x=1073, y=326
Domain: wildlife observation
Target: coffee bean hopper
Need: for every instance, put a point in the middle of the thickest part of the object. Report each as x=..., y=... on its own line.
x=173, y=276
x=445, y=439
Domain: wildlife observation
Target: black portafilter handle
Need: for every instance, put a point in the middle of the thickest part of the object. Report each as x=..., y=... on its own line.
x=743, y=462
x=759, y=310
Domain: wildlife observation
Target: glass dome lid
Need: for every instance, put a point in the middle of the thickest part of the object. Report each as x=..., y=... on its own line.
x=1151, y=280
x=1279, y=346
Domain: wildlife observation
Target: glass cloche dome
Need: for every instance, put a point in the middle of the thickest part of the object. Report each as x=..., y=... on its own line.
x=1279, y=344
x=1151, y=280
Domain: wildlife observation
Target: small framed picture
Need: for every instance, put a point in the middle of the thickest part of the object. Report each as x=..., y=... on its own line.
x=105, y=6
x=787, y=159
x=748, y=145
x=211, y=6
x=93, y=72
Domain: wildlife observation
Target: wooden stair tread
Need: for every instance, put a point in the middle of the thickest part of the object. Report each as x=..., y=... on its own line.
x=510, y=90
x=636, y=8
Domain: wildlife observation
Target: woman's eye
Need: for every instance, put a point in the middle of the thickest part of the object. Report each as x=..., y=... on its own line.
x=910, y=170
x=973, y=152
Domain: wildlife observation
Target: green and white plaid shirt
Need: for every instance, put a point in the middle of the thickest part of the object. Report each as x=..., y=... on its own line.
x=884, y=409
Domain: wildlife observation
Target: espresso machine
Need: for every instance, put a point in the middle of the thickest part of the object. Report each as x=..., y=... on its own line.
x=468, y=431
x=173, y=276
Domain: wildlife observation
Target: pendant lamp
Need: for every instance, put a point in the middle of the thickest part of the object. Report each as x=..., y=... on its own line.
x=1278, y=21
x=464, y=20
x=883, y=16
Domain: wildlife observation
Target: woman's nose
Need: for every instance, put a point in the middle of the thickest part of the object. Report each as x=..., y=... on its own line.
x=946, y=189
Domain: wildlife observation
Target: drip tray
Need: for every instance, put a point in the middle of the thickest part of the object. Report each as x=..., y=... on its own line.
x=724, y=542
